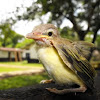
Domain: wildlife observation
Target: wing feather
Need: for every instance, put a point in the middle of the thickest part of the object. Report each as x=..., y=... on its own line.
x=83, y=47
x=75, y=62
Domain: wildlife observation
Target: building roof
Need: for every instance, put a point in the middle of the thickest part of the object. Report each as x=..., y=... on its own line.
x=10, y=49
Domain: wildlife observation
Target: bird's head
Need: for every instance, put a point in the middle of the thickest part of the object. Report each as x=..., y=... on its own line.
x=43, y=34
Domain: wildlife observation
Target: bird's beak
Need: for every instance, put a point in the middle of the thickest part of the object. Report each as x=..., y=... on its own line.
x=35, y=36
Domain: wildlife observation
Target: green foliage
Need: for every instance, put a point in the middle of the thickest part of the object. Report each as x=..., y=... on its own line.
x=68, y=33
x=98, y=40
x=24, y=43
x=8, y=37
x=21, y=81
x=76, y=11
x=89, y=37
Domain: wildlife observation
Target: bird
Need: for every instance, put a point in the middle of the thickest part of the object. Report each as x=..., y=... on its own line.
x=64, y=60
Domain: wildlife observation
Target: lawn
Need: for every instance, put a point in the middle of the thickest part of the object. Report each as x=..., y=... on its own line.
x=21, y=81
x=23, y=63
x=17, y=66
x=9, y=69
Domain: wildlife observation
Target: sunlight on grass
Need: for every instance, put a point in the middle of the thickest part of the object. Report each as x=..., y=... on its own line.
x=21, y=81
x=9, y=69
x=23, y=63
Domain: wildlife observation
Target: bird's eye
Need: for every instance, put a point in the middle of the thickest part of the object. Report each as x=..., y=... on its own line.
x=49, y=33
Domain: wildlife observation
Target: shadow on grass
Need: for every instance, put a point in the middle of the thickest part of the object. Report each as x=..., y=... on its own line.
x=21, y=81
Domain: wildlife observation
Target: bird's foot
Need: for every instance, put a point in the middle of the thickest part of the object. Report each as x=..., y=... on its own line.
x=46, y=81
x=64, y=91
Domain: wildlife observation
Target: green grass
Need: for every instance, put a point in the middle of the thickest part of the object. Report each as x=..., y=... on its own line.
x=21, y=81
x=24, y=66
x=9, y=69
x=22, y=63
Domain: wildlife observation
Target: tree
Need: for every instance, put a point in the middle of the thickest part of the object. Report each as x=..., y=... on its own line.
x=77, y=11
x=24, y=43
x=8, y=37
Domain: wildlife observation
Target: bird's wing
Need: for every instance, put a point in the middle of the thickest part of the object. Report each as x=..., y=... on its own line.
x=83, y=48
x=75, y=62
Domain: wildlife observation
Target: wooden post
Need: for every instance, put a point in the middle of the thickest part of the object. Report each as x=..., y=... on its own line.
x=16, y=58
x=19, y=55
x=9, y=56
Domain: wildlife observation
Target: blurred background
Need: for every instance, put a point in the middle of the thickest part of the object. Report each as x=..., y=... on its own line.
x=75, y=19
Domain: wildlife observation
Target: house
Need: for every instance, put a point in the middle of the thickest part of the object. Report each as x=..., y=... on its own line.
x=30, y=53
x=15, y=54
x=10, y=54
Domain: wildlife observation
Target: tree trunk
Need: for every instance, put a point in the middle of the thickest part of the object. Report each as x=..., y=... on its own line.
x=81, y=35
x=93, y=41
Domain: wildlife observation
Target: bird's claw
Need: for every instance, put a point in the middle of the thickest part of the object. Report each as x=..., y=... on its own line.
x=64, y=91
x=46, y=81
x=54, y=90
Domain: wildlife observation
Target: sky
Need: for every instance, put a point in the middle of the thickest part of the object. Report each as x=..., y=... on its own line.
x=8, y=6
x=6, y=9
x=22, y=27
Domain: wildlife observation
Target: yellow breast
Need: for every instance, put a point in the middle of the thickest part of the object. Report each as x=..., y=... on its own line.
x=56, y=67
